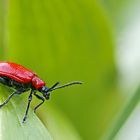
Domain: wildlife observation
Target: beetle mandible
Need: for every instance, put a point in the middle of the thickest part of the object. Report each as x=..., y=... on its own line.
x=22, y=79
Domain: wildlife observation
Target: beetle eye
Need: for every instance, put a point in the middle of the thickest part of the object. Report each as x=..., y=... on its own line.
x=43, y=88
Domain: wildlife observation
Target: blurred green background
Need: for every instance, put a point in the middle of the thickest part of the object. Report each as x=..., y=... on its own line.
x=70, y=40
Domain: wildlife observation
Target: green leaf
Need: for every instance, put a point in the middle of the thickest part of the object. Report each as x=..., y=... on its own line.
x=57, y=123
x=11, y=117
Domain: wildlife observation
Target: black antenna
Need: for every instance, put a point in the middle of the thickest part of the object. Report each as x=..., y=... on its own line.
x=65, y=85
x=51, y=88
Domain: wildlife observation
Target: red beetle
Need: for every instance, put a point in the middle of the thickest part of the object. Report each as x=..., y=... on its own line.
x=23, y=79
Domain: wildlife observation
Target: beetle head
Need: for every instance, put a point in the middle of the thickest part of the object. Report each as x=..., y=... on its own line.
x=46, y=91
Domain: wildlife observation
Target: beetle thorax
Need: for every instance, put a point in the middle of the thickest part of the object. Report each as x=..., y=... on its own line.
x=37, y=82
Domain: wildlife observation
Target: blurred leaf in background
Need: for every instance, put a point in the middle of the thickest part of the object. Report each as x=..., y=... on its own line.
x=126, y=20
x=120, y=12
x=2, y=28
x=124, y=15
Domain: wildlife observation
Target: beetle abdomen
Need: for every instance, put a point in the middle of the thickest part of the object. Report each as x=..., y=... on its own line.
x=16, y=72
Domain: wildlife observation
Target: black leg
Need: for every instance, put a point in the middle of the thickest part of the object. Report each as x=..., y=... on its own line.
x=41, y=98
x=8, y=99
x=27, y=109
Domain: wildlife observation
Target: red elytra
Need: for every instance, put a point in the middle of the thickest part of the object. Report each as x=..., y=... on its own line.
x=20, y=74
x=22, y=79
